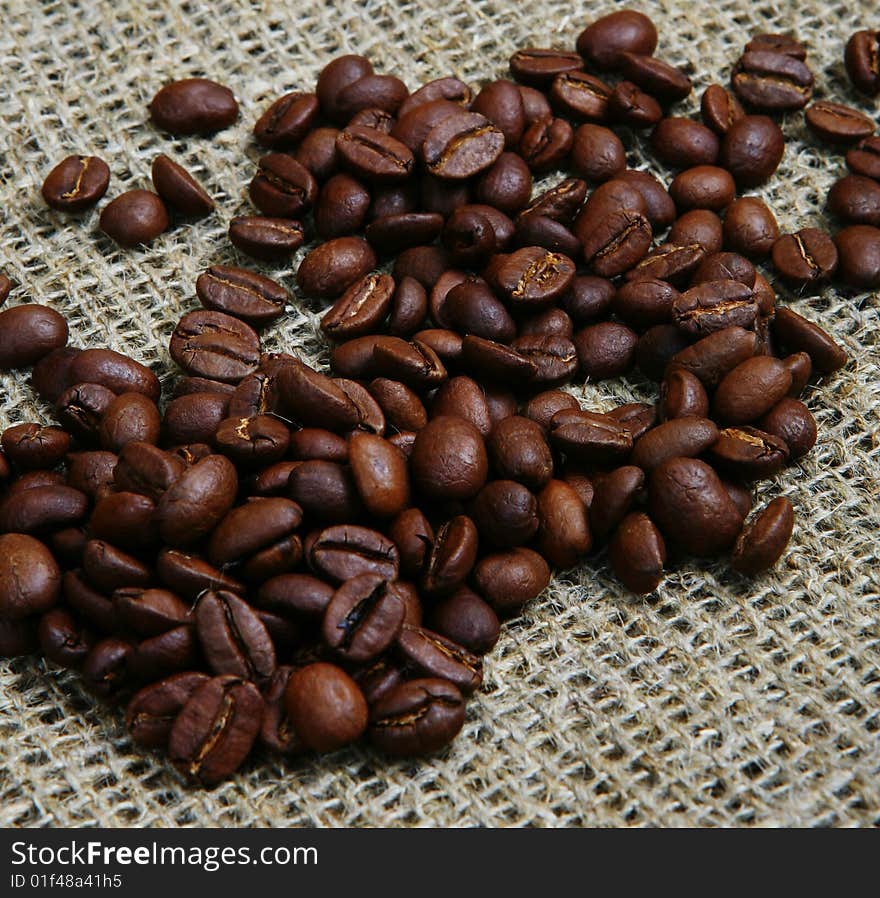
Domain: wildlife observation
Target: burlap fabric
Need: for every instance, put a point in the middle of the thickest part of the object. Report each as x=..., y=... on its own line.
x=716, y=701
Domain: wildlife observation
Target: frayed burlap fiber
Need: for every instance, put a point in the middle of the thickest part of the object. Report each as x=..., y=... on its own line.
x=715, y=701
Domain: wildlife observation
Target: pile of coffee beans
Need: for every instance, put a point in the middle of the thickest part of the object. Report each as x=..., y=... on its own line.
x=295, y=558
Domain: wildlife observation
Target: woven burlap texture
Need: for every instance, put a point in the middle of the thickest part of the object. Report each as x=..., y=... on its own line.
x=715, y=701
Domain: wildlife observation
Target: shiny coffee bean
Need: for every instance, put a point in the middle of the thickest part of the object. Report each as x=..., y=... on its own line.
x=363, y=618
x=764, y=538
x=805, y=258
x=861, y=60
x=772, y=82
x=76, y=183
x=509, y=579
x=325, y=707
x=637, y=553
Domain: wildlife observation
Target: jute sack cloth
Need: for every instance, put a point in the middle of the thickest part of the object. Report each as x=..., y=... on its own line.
x=715, y=701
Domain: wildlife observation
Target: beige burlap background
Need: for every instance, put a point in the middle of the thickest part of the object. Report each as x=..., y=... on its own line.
x=716, y=701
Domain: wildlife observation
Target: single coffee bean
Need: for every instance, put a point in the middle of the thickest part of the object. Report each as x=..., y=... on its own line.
x=805, y=258
x=342, y=207
x=791, y=421
x=409, y=308
x=549, y=322
x=719, y=109
x=564, y=527
x=631, y=106
x=326, y=491
x=317, y=153
x=134, y=217
x=546, y=142
x=382, y=92
x=114, y=371
x=360, y=309
x=659, y=207
x=152, y=711
x=772, y=82
x=267, y=239
x=391, y=233
x=252, y=528
x=336, y=75
x=193, y=106
x=714, y=305
x=28, y=333
x=215, y=345
x=538, y=67
x=501, y=102
x=126, y=519
x=699, y=227
x=282, y=187
x=725, y=267
x=463, y=397
x=149, y=612
x=858, y=250
x=715, y=355
x=374, y=156
x=656, y=77
x=606, y=349
x=539, y=230
x=644, y=303
x=31, y=479
x=748, y=453
x=179, y=189
x=130, y=417
x=703, y=187
x=62, y=639
x=678, y=438
x=95, y=608
x=637, y=553
x=434, y=656
x=668, y=262
x=189, y=575
x=105, y=668
x=510, y=579
x=448, y=88
x=798, y=334
x=750, y=227
x=451, y=557
x=836, y=123
x=342, y=552
x=414, y=363
x=750, y=390
x=466, y=619
x=449, y=459
x=590, y=437
x=855, y=200
x=505, y=513
x=752, y=149
x=215, y=730
x=800, y=367
x=401, y=406
x=42, y=508
x=531, y=276
x=91, y=473
x=542, y=407
x=329, y=269
x=80, y=409
x=76, y=183
x=30, y=581
x=51, y=374
x=682, y=395
x=597, y=153
x=691, y=507
x=287, y=121
x=472, y=308
x=414, y=537
x=764, y=538
x=684, y=143
x=554, y=358
x=602, y=42
x=296, y=596
x=241, y=293
x=520, y=452
x=862, y=60
x=195, y=417
x=864, y=158
x=417, y=717
x=160, y=656
x=470, y=239
x=109, y=568
x=461, y=146
x=380, y=473
x=580, y=96
x=560, y=202
x=34, y=446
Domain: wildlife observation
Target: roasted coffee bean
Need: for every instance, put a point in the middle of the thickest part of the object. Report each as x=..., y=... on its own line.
x=32, y=479
x=276, y=730
x=30, y=581
x=197, y=501
x=130, y=417
x=125, y=519
x=496, y=362
x=699, y=227
x=580, y=96
x=193, y=106
x=395, y=200
x=152, y=711
x=114, y=371
x=379, y=92
x=6, y=285
x=233, y=639
x=539, y=230
x=597, y=153
x=149, y=612
x=800, y=367
x=462, y=397
x=764, y=538
x=791, y=421
x=855, y=200
x=505, y=513
x=554, y=358
x=777, y=43
x=725, y=267
x=370, y=416
x=858, y=250
x=317, y=153
x=750, y=390
x=256, y=394
x=864, y=158
x=179, y=189
x=750, y=227
x=656, y=347
x=76, y=183
x=314, y=399
x=105, y=668
x=613, y=228
x=656, y=77
x=719, y=109
x=241, y=293
x=91, y=472
x=33, y=446
x=449, y=459
x=590, y=437
x=215, y=345
x=714, y=305
x=195, y=417
x=380, y=474
x=401, y=406
x=684, y=143
x=256, y=441
x=160, y=656
x=62, y=639
x=448, y=88
x=109, y=568
x=560, y=202
x=772, y=82
x=374, y=156
x=703, y=187
x=588, y=298
x=538, y=67
x=519, y=451
x=42, y=508
x=836, y=123
x=51, y=374
x=748, y=453
x=510, y=579
x=686, y=437
x=28, y=333
x=637, y=553
x=472, y=308
x=659, y=207
x=461, y=146
x=326, y=491
x=614, y=496
x=282, y=187
x=252, y=528
x=467, y=620
x=636, y=417
x=342, y=552
x=532, y=276
x=435, y=656
x=668, y=262
x=605, y=350
x=80, y=409
x=335, y=76
x=644, y=303
x=691, y=507
x=714, y=356
x=548, y=322
x=631, y=106
x=341, y=207
x=360, y=309
x=264, y=238
x=134, y=217
x=469, y=237
x=682, y=395
x=752, y=149
x=216, y=728
x=273, y=479
x=604, y=41
x=798, y=334
x=546, y=142
x=862, y=59
x=451, y=556
x=414, y=537
x=295, y=595
x=542, y=407
x=805, y=258
x=501, y=103
x=329, y=269
x=287, y=121
x=390, y=234
x=564, y=529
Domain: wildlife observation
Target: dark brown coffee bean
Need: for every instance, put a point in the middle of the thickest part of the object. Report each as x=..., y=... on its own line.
x=748, y=453
x=125, y=519
x=193, y=106
x=836, y=123
x=791, y=421
x=554, y=358
x=433, y=655
x=699, y=227
x=449, y=459
x=637, y=553
x=719, y=109
x=543, y=407
x=114, y=371
x=360, y=309
x=532, y=276
x=380, y=474
x=858, y=250
x=91, y=472
x=805, y=258
x=501, y=102
x=777, y=43
x=659, y=207
x=714, y=356
x=241, y=293
x=409, y=308
x=656, y=77
x=287, y=121
x=862, y=59
x=336, y=75
x=597, y=153
x=152, y=711
x=505, y=513
x=772, y=82
x=80, y=409
x=282, y=187
x=325, y=706
x=250, y=442
x=590, y=437
x=134, y=217
x=539, y=230
x=267, y=239
x=703, y=187
x=631, y=106
x=179, y=189
x=669, y=262
x=149, y=612
x=326, y=491
x=62, y=640
x=472, y=308
x=215, y=730
x=798, y=334
x=603, y=42
x=414, y=363
x=195, y=417
x=466, y=619
x=390, y=234
x=644, y=303
x=317, y=153
x=329, y=269
x=714, y=305
x=51, y=374
x=764, y=538
x=588, y=298
x=42, y=508
x=864, y=158
x=752, y=149
x=414, y=537
x=614, y=496
x=496, y=362
x=510, y=579
x=682, y=395
x=691, y=507
x=342, y=552
x=94, y=607
x=30, y=581
x=470, y=239
x=750, y=227
x=382, y=92
x=252, y=528
x=448, y=88
x=276, y=730
x=800, y=367
x=686, y=437
x=30, y=446
x=538, y=67
x=462, y=397
x=855, y=200
x=580, y=96
x=342, y=207
x=451, y=556
x=130, y=417
x=549, y=322
x=750, y=390
x=401, y=406
x=461, y=146
x=546, y=142
x=215, y=345
x=605, y=350
x=28, y=333
x=109, y=568
x=725, y=267
x=31, y=479
x=684, y=143
x=105, y=668
x=560, y=202
x=374, y=156
x=564, y=528
x=76, y=183
x=296, y=596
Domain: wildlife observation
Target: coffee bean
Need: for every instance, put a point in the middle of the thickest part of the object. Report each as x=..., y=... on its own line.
x=463, y=397
x=684, y=143
x=80, y=409
x=714, y=305
x=193, y=106
x=469, y=237
x=772, y=82
x=414, y=537
x=836, y=123
x=805, y=258
x=466, y=619
x=114, y=371
x=417, y=717
x=858, y=250
x=390, y=234
x=130, y=417
x=215, y=345
x=380, y=473
x=409, y=308
x=602, y=42
x=644, y=303
x=855, y=200
x=461, y=146
x=287, y=121
x=472, y=308
x=448, y=88
x=637, y=553
x=108, y=569
x=668, y=262
x=791, y=421
x=265, y=238
x=510, y=579
x=105, y=668
x=501, y=103
x=126, y=519
x=752, y=149
x=505, y=513
x=691, y=507
x=764, y=538
x=317, y=153
x=451, y=557
x=295, y=595
x=687, y=437
x=699, y=227
x=30, y=581
x=382, y=92
x=42, y=508
x=631, y=106
x=134, y=217
x=748, y=453
x=563, y=525
x=29, y=333
x=532, y=276
x=798, y=334
x=703, y=187
x=326, y=491
x=149, y=612
x=656, y=77
x=449, y=459
x=241, y=293
x=682, y=395
x=590, y=437
x=342, y=552
x=861, y=59
x=62, y=640
x=374, y=156
x=360, y=309
x=538, y=67
x=605, y=350
x=719, y=109
x=434, y=656
x=546, y=142
x=597, y=153
x=712, y=357
x=329, y=269
x=282, y=187
x=864, y=158
x=751, y=389
x=151, y=713
x=580, y=96
x=177, y=187
x=659, y=207
x=76, y=183
x=91, y=472
x=35, y=446
x=336, y=75
x=750, y=227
